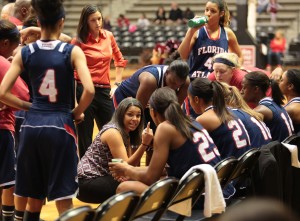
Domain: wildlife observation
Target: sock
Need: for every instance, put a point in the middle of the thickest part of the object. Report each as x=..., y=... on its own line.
x=8, y=213
x=19, y=215
x=28, y=216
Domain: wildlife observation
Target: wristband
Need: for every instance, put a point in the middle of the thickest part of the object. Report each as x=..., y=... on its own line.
x=148, y=147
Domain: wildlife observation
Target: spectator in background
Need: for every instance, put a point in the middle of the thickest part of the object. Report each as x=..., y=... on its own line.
x=106, y=23
x=233, y=21
x=187, y=15
x=7, y=11
x=143, y=21
x=272, y=8
x=276, y=50
x=160, y=16
x=162, y=51
x=262, y=6
x=123, y=21
x=175, y=14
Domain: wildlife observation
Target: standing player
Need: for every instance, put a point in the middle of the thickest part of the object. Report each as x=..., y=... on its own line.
x=9, y=40
x=47, y=157
x=202, y=43
x=255, y=86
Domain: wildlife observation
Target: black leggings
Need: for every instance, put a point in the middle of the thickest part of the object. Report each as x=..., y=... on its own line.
x=97, y=190
x=100, y=110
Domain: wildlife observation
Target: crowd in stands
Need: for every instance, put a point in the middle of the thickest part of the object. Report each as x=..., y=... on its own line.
x=192, y=102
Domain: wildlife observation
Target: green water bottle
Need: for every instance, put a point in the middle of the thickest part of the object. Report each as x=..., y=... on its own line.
x=195, y=22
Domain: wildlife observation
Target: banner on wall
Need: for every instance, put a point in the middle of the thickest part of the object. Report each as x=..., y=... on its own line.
x=249, y=54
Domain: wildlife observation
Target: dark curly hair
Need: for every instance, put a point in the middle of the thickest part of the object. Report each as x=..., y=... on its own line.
x=48, y=11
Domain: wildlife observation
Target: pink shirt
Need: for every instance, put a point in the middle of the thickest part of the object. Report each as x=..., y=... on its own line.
x=278, y=46
x=20, y=89
x=15, y=20
x=236, y=80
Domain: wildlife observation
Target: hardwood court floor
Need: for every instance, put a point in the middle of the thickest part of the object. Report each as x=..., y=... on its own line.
x=49, y=212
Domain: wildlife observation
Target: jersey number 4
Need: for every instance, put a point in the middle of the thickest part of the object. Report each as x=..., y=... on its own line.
x=48, y=87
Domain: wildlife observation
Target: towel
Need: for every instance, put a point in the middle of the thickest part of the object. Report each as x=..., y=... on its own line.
x=294, y=154
x=214, y=201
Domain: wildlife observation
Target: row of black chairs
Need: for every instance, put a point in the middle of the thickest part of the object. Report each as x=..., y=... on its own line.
x=161, y=38
x=148, y=37
x=146, y=34
x=164, y=193
x=152, y=28
x=145, y=43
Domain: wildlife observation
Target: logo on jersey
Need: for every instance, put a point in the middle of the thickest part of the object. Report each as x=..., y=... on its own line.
x=211, y=49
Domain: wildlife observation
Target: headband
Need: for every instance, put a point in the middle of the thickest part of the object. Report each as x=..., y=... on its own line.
x=191, y=90
x=10, y=33
x=152, y=104
x=224, y=61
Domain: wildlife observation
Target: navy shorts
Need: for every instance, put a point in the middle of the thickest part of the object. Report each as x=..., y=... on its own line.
x=20, y=116
x=47, y=157
x=7, y=158
x=117, y=98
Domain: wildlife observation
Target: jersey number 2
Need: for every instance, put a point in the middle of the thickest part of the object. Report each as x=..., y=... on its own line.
x=48, y=87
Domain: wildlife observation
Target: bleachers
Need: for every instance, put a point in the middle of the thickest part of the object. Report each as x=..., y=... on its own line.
x=132, y=44
x=73, y=10
x=288, y=14
x=149, y=7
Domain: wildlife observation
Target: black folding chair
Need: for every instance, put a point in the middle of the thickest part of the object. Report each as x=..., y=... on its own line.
x=241, y=176
x=191, y=187
x=245, y=164
x=293, y=139
x=82, y=213
x=157, y=196
x=225, y=169
x=118, y=207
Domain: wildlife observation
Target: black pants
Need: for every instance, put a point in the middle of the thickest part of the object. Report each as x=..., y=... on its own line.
x=99, y=110
x=97, y=190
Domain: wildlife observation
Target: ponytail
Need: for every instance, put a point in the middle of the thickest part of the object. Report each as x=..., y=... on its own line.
x=261, y=80
x=219, y=103
x=277, y=95
x=211, y=91
x=234, y=99
x=164, y=101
